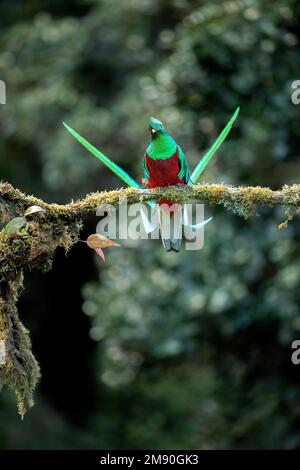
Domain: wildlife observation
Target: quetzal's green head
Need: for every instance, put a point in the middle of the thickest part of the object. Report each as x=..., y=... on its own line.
x=156, y=128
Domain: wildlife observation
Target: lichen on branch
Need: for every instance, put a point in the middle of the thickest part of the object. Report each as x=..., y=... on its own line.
x=18, y=367
x=245, y=197
x=34, y=245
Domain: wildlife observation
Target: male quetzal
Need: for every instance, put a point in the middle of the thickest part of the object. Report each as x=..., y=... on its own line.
x=164, y=164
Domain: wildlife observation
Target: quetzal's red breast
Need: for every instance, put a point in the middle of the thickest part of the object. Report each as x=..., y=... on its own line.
x=164, y=172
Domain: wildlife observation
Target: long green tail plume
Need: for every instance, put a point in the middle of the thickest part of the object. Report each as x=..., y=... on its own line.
x=216, y=145
x=109, y=163
x=130, y=181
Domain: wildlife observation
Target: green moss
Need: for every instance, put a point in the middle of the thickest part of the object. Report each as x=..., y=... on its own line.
x=241, y=200
x=59, y=226
x=33, y=248
x=18, y=368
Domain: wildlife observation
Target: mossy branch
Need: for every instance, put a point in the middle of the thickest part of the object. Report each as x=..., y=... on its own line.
x=215, y=194
x=60, y=225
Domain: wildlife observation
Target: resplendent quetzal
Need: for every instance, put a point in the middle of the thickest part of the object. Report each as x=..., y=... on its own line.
x=164, y=164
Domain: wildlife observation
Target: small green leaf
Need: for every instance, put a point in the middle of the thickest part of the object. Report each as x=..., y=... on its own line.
x=15, y=225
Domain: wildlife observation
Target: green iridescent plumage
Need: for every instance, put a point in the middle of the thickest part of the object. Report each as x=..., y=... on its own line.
x=216, y=145
x=107, y=162
x=184, y=172
x=162, y=147
x=130, y=181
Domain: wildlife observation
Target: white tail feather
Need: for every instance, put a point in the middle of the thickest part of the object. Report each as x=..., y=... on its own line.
x=150, y=226
x=171, y=229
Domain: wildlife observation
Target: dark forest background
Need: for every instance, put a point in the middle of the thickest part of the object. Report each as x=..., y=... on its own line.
x=157, y=350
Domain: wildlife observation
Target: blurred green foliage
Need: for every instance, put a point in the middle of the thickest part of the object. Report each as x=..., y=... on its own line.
x=192, y=351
